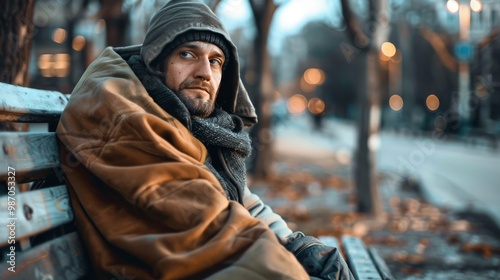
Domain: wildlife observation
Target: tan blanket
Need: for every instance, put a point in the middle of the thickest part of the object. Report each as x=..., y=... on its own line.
x=145, y=204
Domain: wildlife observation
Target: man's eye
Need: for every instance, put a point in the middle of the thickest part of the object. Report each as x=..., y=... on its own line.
x=186, y=54
x=216, y=62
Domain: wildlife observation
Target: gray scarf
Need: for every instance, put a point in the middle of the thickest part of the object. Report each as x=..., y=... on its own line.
x=221, y=133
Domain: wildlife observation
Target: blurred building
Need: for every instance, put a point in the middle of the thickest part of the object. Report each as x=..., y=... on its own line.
x=486, y=79
x=477, y=42
x=66, y=39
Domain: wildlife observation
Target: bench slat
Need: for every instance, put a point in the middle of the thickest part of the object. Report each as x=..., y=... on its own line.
x=382, y=267
x=22, y=104
x=329, y=241
x=35, y=211
x=358, y=259
x=61, y=258
x=30, y=154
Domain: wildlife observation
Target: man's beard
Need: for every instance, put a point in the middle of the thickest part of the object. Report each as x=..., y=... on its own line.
x=197, y=106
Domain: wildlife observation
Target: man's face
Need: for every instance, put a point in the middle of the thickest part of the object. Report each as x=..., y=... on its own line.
x=194, y=72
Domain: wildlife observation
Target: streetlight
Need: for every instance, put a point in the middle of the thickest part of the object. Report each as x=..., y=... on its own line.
x=463, y=49
x=476, y=5
x=452, y=6
x=388, y=49
x=314, y=76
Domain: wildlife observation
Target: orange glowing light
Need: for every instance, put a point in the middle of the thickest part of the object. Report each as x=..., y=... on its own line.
x=297, y=104
x=314, y=76
x=54, y=65
x=396, y=102
x=78, y=43
x=432, y=102
x=388, y=49
x=59, y=35
x=44, y=61
x=316, y=106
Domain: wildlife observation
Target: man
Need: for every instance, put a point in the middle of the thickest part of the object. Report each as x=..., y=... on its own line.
x=153, y=153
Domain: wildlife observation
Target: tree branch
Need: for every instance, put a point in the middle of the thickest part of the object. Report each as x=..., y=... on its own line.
x=357, y=36
x=439, y=46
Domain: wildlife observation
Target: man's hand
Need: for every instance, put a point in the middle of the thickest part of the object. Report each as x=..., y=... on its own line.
x=317, y=259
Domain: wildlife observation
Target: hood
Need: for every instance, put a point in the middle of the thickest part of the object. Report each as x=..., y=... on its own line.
x=180, y=16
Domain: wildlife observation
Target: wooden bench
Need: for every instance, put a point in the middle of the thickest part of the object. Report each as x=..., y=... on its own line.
x=37, y=235
x=38, y=239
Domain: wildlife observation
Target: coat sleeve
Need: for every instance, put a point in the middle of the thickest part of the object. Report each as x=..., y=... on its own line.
x=258, y=209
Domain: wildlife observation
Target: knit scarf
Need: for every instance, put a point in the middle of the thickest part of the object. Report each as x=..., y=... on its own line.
x=221, y=133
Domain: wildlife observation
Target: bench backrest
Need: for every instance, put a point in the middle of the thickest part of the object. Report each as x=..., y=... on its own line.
x=37, y=235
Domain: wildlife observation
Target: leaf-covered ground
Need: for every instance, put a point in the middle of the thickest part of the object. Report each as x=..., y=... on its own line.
x=417, y=240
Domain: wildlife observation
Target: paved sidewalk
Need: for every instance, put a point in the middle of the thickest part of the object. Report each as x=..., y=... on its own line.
x=452, y=174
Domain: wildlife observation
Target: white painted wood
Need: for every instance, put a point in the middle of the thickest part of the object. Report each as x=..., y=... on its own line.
x=23, y=104
x=35, y=211
x=329, y=241
x=359, y=260
x=32, y=155
x=61, y=258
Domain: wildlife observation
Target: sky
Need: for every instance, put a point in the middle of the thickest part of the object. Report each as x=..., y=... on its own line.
x=288, y=20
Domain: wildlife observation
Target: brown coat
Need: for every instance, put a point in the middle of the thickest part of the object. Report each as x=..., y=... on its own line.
x=145, y=204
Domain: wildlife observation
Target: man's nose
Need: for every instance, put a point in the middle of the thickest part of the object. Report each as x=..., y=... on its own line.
x=204, y=71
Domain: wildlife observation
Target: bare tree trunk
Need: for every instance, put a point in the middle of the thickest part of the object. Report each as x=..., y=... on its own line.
x=116, y=22
x=261, y=89
x=15, y=40
x=370, y=100
x=16, y=34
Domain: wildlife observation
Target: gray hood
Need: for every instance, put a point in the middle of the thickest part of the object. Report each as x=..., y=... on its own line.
x=180, y=16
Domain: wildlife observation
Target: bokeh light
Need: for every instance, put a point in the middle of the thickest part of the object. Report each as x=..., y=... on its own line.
x=314, y=76
x=44, y=62
x=396, y=102
x=476, y=5
x=432, y=102
x=78, y=43
x=296, y=104
x=59, y=35
x=452, y=6
x=388, y=49
x=316, y=106
x=61, y=64
x=54, y=65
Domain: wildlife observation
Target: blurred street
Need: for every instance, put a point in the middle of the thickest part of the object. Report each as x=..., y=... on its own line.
x=450, y=173
x=432, y=227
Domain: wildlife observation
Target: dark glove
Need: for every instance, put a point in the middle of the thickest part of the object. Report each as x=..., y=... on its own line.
x=317, y=259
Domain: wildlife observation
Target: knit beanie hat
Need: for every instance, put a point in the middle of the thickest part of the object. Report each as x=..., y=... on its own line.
x=196, y=35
